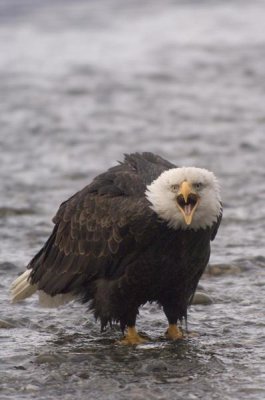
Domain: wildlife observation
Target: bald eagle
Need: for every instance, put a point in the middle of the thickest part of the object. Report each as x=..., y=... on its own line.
x=140, y=232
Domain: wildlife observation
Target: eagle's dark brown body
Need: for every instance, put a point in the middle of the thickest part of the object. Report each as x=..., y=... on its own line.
x=163, y=272
x=110, y=247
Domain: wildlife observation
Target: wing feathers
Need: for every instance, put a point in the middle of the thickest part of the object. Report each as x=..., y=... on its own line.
x=98, y=226
x=113, y=245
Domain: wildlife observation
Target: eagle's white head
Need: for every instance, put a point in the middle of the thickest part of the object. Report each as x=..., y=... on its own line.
x=187, y=198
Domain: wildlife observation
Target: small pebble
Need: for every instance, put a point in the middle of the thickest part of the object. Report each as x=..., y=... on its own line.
x=49, y=359
x=222, y=269
x=6, y=324
x=31, y=388
x=154, y=367
x=7, y=266
x=202, y=298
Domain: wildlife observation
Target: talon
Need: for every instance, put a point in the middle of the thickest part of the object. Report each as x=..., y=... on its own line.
x=174, y=332
x=132, y=338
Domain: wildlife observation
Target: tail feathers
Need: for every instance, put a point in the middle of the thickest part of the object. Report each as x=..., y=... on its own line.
x=54, y=301
x=21, y=288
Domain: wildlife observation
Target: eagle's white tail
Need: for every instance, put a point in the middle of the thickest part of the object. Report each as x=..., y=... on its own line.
x=21, y=287
x=54, y=301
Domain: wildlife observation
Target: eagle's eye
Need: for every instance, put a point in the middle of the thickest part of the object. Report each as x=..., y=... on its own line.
x=175, y=188
x=198, y=185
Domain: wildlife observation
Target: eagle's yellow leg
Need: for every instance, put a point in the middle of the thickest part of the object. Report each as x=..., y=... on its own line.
x=174, y=332
x=132, y=337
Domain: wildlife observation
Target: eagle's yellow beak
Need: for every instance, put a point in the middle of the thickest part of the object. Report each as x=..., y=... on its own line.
x=187, y=201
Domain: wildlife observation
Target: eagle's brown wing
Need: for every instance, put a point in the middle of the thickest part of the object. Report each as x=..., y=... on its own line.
x=101, y=228
x=92, y=234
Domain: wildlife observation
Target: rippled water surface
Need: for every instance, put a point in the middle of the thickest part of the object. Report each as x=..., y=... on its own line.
x=82, y=82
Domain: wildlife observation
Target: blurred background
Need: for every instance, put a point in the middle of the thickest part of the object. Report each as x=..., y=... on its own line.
x=84, y=81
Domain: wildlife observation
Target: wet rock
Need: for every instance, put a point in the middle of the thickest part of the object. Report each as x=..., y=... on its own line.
x=247, y=264
x=202, y=298
x=83, y=375
x=7, y=266
x=20, y=367
x=10, y=211
x=154, y=367
x=260, y=261
x=179, y=379
x=6, y=325
x=49, y=358
x=30, y=388
x=222, y=269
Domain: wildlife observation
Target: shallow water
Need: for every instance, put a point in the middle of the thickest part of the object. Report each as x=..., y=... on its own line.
x=80, y=84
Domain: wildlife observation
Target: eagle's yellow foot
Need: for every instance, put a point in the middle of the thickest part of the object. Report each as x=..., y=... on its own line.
x=174, y=332
x=132, y=337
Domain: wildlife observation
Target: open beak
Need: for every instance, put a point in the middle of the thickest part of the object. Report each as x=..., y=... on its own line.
x=187, y=201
